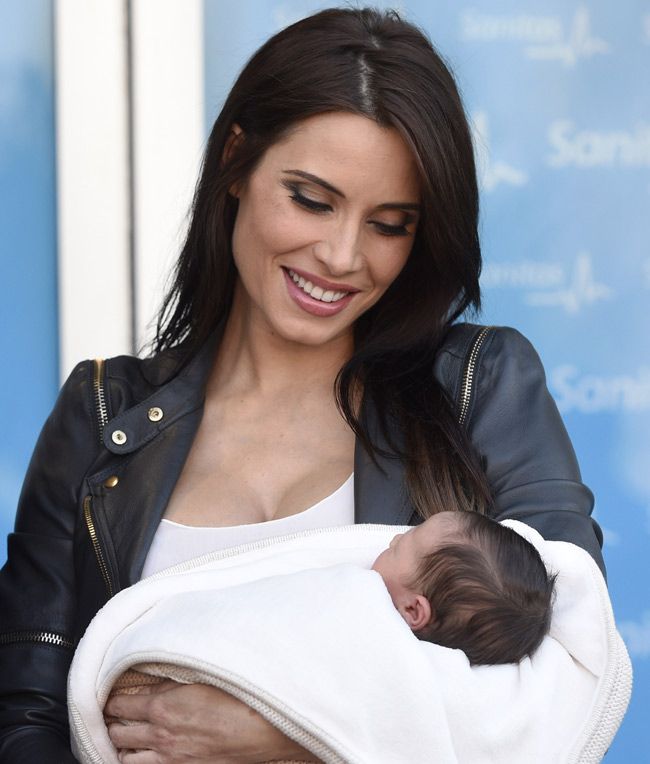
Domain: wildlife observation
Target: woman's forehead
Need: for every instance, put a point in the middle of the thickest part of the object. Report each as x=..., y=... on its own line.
x=349, y=150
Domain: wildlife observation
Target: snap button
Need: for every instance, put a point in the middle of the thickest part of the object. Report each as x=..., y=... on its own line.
x=111, y=481
x=118, y=437
x=155, y=414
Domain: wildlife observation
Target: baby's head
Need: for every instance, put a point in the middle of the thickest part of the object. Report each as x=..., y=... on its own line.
x=464, y=581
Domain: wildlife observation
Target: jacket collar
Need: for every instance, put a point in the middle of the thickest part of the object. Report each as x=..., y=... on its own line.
x=176, y=395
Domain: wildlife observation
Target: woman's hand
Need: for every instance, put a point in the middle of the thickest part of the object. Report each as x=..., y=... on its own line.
x=171, y=723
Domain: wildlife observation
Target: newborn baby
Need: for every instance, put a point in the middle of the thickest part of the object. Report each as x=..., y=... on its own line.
x=464, y=581
x=460, y=580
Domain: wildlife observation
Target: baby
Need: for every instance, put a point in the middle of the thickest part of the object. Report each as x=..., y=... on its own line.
x=460, y=580
x=464, y=581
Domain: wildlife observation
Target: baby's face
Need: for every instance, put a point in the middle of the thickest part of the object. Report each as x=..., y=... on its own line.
x=398, y=564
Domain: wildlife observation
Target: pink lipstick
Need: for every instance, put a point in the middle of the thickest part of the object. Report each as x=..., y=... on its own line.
x=317, y=307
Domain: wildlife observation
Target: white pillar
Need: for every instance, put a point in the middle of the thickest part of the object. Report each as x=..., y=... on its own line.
x=168, y=120
x=130, y=134
x=92, y=180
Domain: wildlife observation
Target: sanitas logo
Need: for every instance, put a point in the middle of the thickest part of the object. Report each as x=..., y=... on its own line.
x=524, y=274
x=492, y=173
x=521, y=27
x=593, y=393
x=545, y=36
x=549, y=285
x=591, y=148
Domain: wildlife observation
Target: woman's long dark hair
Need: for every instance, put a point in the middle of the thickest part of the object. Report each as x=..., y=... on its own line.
x=372, y=63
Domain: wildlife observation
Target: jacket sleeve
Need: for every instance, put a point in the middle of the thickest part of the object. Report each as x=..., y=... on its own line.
x=528, y=457
x=37, y=584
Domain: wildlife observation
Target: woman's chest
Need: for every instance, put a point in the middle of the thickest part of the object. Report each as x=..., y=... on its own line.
x=254, y=466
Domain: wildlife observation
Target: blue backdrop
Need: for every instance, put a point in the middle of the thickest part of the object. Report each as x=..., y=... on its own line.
x=559, y=98
x=28, y=308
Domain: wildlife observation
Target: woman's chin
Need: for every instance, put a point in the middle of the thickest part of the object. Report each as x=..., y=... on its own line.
x=312, y=332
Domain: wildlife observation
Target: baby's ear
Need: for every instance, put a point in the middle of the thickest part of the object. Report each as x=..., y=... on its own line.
x=417, y=612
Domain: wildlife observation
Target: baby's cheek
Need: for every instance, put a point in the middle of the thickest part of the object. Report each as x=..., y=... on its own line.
x=378, y=564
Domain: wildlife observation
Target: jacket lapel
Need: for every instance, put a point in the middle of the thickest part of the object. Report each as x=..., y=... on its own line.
x=147, y=465
x=380, y=494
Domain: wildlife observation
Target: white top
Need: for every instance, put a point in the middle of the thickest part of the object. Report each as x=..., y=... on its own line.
x=174, y=542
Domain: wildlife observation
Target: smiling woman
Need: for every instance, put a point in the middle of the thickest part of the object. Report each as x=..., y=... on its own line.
x=307, y=372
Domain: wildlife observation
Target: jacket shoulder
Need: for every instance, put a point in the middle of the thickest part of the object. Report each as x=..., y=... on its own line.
x=130, y=379
x=155, y=369
x=486, y=342
x=459, y=338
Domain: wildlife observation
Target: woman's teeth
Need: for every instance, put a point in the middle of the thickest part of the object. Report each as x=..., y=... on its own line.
x=318, y=293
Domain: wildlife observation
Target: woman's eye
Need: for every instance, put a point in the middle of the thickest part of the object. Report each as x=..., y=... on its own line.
x=304, y=201
x=298, y=197
x=391, y=230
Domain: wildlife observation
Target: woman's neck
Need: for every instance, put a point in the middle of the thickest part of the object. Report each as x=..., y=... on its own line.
x=252, y=358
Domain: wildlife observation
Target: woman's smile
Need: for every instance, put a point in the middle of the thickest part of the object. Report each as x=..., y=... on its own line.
x=314, y=295
x=313, y=299
x=319, y=288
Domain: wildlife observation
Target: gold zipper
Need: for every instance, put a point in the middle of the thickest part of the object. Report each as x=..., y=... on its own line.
x=467, y=385
x=100, y=398
x=46, y=637
x=50, y=637
x=103, y=567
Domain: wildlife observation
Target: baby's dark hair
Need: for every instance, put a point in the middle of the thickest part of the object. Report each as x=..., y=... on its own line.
x=490, y=593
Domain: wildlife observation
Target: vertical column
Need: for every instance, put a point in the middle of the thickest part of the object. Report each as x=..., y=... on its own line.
x=129, y=141
x=168, y=135
x=92, y=180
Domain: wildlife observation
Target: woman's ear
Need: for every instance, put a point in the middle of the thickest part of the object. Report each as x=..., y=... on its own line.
x=233, y=141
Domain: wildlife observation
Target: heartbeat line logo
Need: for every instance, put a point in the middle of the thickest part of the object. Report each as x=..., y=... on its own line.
x=492, y=172
x=578, y=44
x=582, y=290
x=545, y=37
x=549, y=285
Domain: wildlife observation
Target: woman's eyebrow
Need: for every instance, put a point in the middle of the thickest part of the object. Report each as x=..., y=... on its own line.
x=329, y=187
x=317, y=180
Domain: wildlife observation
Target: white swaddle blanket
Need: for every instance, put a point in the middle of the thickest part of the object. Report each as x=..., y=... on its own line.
x=301, y=630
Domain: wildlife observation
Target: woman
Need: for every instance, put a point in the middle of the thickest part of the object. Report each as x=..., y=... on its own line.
x=308, y=336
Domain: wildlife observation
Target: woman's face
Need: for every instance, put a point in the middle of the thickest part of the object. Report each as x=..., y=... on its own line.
x=325, y=223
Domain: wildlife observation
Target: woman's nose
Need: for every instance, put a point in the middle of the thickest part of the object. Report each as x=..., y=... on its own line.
x=340, y=254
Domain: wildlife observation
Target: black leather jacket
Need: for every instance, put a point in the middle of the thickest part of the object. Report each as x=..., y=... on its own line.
x=111, y=451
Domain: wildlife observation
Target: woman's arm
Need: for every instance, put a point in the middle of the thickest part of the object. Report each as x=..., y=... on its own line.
x=37, y=585
x=530, y=462
x=177, y=723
